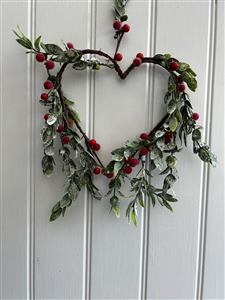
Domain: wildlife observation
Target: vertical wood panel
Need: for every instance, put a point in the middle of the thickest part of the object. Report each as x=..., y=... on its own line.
x=120, y=114
x=15, y=155
x=173, y=244
x=61, y=252
x=213, y=263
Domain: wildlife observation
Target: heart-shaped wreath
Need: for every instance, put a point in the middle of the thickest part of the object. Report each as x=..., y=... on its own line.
x=63, y=121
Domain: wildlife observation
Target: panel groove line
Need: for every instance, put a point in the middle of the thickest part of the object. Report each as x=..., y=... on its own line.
x=151, y=44
x=1, y=212
x=31, y=112
x=90, y=108
x=205, y=174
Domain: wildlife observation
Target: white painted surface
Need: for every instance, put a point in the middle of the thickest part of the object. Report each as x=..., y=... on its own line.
x=90, y=254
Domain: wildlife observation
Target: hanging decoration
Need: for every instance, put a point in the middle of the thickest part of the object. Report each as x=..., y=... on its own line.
x=153, y=150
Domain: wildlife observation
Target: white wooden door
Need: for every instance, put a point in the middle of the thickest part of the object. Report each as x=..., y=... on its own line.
x=90, y=254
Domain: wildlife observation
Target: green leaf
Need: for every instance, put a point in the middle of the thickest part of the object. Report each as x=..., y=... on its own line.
x=205, y=154
x=134, y=216
x=47, y=165
x=172, y=106
x=55, y=215
x=178, y=116
x=170, y=179
x=131, y=144
x=61, y=59
x=158, y=163
x=171, y=84
x=128, y=210
x=37, y=43
x=17, y=34
x=117, y=157
x=56, y=206
x=155, y=152
x=80, y=65
x=160, y=144
x=183, y=67
x=165, y=171
x=73, y=191
x=189, y=78
x=74, y=113
x=214, y=160
x=117, y=166
x=167, y=205
x=50, y=150
x=25, y=43
x=65, y=200
x=167, y=97
x=44, y=48
x=171, y=161
x=54, y=49
x=115, y=183
x=63, y=211
x=173, y=123
x=196, y=135
x=140, y=198
x=114, y=201
x=153, y=199
x=144, y=143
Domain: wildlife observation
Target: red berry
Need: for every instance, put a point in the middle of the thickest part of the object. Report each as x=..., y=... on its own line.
x=179, y=79
x=195, y=116
x=92, y=142
x=50, y=64
x=65, y=139
x=48, y=84
x=133, y=162
x=174, y=65
x=126, y=27
x=70, y=45
x=40, y=57
x=127, y=169
x=137, y=62
x=181, y=87
x=103, y=171
x=126, y=160
x=60, y=128
x=96, y=146
x=143, y=151
x=46, y=116
x=110, y=175
x=140, y=55
x=167, y=141
x=44, y=96
x=117, y=24
x=169, y=134
x=118, y=56
x=70, y=123
x=97, y=170
x=144, y=136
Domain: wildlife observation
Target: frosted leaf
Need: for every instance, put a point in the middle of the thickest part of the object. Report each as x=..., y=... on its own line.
x=51, y=119
x=159, y=133
x=158, y=163
x=49, y=151
x=76, y=154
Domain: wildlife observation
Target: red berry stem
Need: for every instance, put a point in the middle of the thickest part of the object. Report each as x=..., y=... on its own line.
x=119, y=41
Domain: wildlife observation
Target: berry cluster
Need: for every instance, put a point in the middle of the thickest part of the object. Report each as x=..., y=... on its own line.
x=120, y=30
